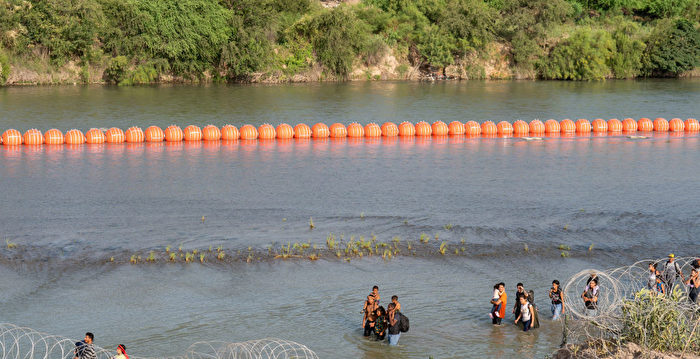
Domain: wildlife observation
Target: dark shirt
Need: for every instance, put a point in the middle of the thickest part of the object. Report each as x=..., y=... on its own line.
x=394, y=329
x=556, y=297
x=380, y=325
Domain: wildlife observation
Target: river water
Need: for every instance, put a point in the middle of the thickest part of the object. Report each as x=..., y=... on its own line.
x=612, y=200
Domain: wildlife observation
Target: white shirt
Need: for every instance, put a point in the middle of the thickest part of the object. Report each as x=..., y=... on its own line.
x=525, y=312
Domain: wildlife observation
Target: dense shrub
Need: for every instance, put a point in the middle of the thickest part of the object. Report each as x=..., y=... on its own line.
x=436, y=46
x=470, y=22
x=584, y=56
x=116, y=69
x=4, y=68
x=673, y=47
x=626, y=61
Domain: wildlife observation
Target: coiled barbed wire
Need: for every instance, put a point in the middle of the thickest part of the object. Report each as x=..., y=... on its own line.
x=25, y=343
x=627, y=310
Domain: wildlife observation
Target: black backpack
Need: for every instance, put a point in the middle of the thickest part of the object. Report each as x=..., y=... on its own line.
x=403, y=323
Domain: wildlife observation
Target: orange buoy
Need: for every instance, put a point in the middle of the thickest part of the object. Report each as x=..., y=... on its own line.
x=249, y=132
x=583, y=125
x=551, y=126
x=338, y=130
x=266, y=132
x=599, y=125
x=489, y=128
x=614, y=125
x=154, y=134
x=455, y=128
x=567, y=126
x=192, y=133
x=94, y=136
x=115, y=135
x=389, y=129
x=423, y=129
x=373, y=130
x=284, y=131
x=660, y=124
x=133, y=135
x=173, y=133
x=675, y=125
x=692, y=125
x=355, y=130
x=75, y=137
x=53, y=137
x=504, y=128
x=521, y=127
x=33, y=137
x=472, y=128
x=536, y=127
x=302, y=130
x=629, y=125
x=440, y=128
x=407, y=129
x=645, y=125
x=320, y=130
x=230, y=133
x=211, y=133
x=11, y=137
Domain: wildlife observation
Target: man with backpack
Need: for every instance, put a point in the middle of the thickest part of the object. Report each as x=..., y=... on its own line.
x=398, y=323
x=671, y=272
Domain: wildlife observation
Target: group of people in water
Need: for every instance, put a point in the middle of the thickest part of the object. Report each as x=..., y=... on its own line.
x=524, y=311
x=662, y=279
x=383, y=323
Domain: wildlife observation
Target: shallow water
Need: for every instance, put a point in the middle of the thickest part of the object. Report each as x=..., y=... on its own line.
x=69, y=209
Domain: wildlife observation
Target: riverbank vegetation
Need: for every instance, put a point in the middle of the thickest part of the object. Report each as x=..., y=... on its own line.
x=148, y=41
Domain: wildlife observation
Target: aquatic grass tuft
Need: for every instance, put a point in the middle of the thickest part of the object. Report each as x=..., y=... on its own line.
x=526, y=248
x=590, y=248
x=173, y=257
x=362, y=215
x=443, y=248
x=220, y=255
x=563, y=247
x=311, y=223
x=10, y=245
x=424, y=238
x=448, y=226
x=167, y=249
x=565, y=254
x=201, y=258
x=151, y=257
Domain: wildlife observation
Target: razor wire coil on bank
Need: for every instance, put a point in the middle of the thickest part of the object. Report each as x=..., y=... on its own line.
x=25, y=343
x=628, y=311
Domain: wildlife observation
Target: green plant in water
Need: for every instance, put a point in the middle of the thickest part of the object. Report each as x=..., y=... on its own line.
x=590, y=248
x=424, y=238
x=194, y=252
x=448, y=226
x=456, y=251
x=526, y=248
x=167, y=249
x=133, y=259
x=565, y=254
x=173, y=257
x=443, y=248
x=311, y=223
x=463, y=241
x=220, y=255
x=564, y=247
x=362, y=215
x=151, y=256
x=437, y=236
x=201, y=258
x=10, y=245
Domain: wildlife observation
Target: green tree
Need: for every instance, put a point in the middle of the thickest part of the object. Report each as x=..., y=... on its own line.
x=470, y=22
x=436, y=47
x=673, y=47
x=626, y=61
x=583, y=56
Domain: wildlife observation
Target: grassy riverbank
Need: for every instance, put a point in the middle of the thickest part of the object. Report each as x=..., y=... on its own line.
x=150, y=41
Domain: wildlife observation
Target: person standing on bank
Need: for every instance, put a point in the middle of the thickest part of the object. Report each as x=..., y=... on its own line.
x=502, y=301
x=671, y=272
x=394, y=318
x=693, y=284
x=86, y=350
x=557, y=300
x=590, y=296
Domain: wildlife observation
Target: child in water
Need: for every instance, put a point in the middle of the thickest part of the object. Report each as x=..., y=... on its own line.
x=395, y=300
x=496, y=307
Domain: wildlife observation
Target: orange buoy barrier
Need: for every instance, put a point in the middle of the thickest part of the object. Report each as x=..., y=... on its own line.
x=567, y=126
x=75, y=137
x=660, y=124
x=192, y=133
x=211, y=133
x=552, y=126
x=629, y=125
x=53, y=137
x=583, y=126
x=599, y=125
x=248, y=132
x=423, y=129
x=373, y=130
x=154, y=134
x=407, y=129
x=266, y=132
x=440, y=128
x=33, y=137
x=355, y=130
x=230, y=133
x=489, y=128
x=614, y=125
x=645, y=125
x=389, y=129
x=320, y=130
x=284, y=131
x=115, y=135
x=675, y=125
x=692, y=125
x=472, y=128
x=94, y=136
x=455, y=128
x=504, y=128
x=521, y=127
x=173, y=133
x=302, y=130
x=338, y=130
x=537, y=127
x=11, y=137
x=133, y=135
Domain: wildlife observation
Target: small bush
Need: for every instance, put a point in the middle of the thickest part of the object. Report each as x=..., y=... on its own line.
x=626, y=61
x=4, y=68
x=584, y=56
x=436, y=47
x=673, y=48
x=116, y=70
